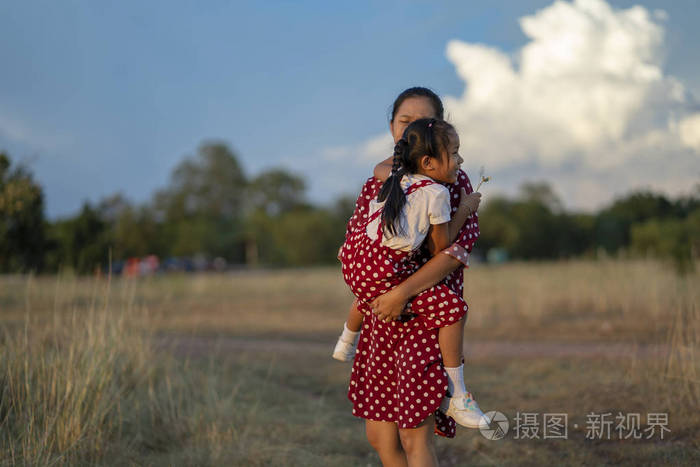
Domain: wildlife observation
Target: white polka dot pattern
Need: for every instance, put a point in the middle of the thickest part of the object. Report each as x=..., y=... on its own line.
x=397, y=373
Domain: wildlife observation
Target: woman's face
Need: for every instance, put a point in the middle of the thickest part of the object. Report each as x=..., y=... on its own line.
x=409, y=111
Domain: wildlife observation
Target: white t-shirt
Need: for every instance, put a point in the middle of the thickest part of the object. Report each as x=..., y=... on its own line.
x=425, y=206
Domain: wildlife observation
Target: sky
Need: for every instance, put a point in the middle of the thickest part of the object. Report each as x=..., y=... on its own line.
x=595, y=98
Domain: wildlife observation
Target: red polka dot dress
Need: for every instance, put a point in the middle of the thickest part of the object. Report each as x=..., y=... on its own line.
x=398, y=373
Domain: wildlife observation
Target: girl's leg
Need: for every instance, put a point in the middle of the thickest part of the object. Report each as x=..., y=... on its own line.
x=460, y=405
x=345, y=347
x=354, y=322
x=451, y=340
x=418, y=444
x=384, y=438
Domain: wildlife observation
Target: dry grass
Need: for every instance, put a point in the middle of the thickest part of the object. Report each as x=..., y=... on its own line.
x=633, y=301
x=64, y=382
x=83, y=381
x=601, y=300
x=81, y=384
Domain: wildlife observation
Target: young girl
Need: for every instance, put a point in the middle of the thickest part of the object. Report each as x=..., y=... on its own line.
x=413, y=209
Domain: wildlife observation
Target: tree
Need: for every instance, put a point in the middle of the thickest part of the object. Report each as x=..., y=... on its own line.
x=133, y=230
x=612, y=230
x=270, y=196
x=276, y=192
x=212, y=184
x=541, y=193
x=497, y=226
x=202, y=209
x=81, y=243
x=674, y=239
x=22, y=238
x=307, y=236
x=533, y=226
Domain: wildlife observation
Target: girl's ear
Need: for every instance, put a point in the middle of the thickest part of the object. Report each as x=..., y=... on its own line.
x=426, y=163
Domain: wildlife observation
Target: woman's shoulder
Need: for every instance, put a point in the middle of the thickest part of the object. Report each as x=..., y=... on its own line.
x=371, y=187
x=372, y=183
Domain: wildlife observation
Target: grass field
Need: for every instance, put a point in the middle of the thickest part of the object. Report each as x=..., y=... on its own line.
x=235, y=369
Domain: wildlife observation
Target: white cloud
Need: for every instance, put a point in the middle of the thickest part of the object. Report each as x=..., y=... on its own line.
x=584, y=105
x=13, y=130
x=582, y=81
x=689, y=131
x=40, y=139
x=370, y=151
x=336, y=153
x=342, y=169
x=376, y=149
x=586, y=98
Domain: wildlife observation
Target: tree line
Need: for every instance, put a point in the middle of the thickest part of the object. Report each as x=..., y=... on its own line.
x=211, y=209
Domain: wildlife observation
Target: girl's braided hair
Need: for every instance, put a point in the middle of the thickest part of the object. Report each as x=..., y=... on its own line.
x=427, y=136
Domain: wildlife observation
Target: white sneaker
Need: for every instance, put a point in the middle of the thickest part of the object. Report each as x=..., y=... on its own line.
x=344, y=351
x=465, y=411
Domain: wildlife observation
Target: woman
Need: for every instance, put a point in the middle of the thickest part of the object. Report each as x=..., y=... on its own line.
x=383, y=344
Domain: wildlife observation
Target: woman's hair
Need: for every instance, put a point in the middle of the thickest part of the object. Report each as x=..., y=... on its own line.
x=427, y=136
x=419, y=92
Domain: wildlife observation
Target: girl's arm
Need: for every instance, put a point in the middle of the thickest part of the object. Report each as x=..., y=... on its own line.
x=383, y=169
x=390, y=305
x=438, y=237
x=443, y=235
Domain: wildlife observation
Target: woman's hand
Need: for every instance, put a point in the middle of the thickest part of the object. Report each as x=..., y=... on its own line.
x=389, y=306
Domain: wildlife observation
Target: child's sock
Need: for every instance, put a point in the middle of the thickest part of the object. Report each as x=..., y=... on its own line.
x=348, y=335
x=455, y=381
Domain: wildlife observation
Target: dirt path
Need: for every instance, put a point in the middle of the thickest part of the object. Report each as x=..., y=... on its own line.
x=201, y=346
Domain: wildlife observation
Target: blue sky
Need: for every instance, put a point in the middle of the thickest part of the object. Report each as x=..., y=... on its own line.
x=105, y=97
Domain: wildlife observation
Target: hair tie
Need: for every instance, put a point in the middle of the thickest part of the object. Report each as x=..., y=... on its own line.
x=430, y=135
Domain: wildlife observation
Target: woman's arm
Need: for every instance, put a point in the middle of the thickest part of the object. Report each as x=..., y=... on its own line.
x=390, y=305
x=383, y=169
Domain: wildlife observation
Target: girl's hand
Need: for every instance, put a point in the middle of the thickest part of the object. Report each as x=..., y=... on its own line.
x=389, y=306
x=470, y=201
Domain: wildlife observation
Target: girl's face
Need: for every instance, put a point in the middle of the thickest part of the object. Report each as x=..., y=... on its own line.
x=446, y=169
x=410, y=110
